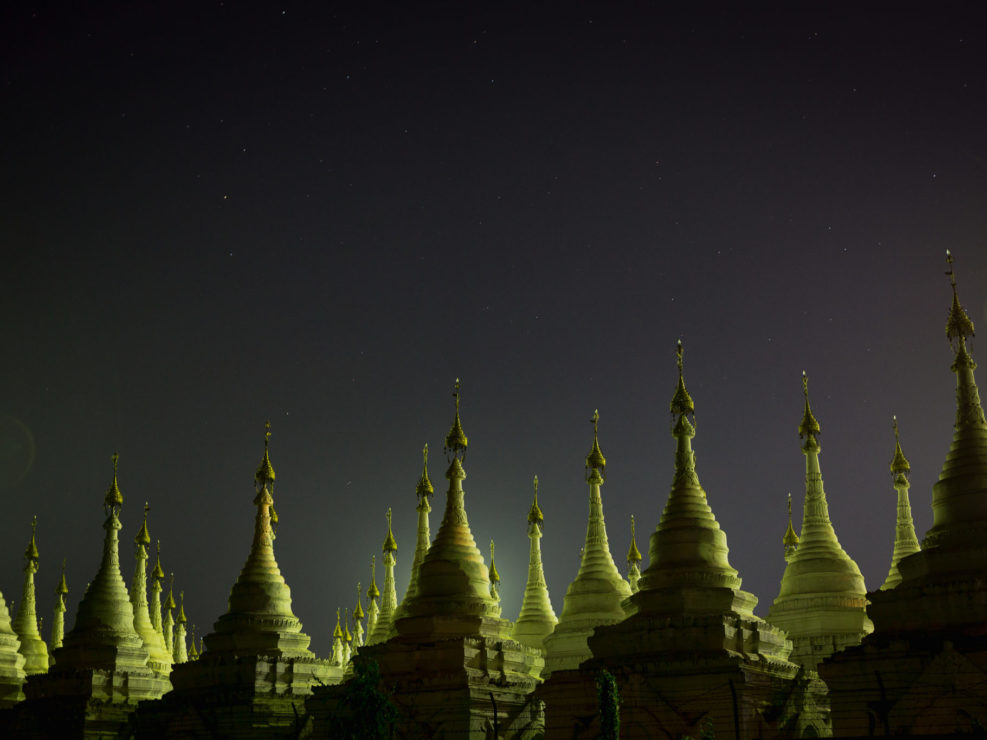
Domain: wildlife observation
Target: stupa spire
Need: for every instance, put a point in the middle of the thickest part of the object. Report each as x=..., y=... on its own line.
x=347, y=637
x=106, y=603
x=157, y=575
x=823, y=598
x=494, y=576
x=358, y=616
x=453, y=578
x=389, y=600
x=259, y=619
x=373, y=593
x=791, y=539
x=168, y=620
x=537, y=618
x=958, y=516
x=180, y=654
x=160, y=655
x=594, y=597
x=688, y=549
x=633, y=558
x=33, y=647
x=424, y=491
x=58, y=623
x=905, y=541
x=193, y=651
x=338, y=649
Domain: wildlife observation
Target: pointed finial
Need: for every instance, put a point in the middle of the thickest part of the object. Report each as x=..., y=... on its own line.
x=358, y=612
x=633, y=554
x=143, y=536
x=31, y=553
x=62, y=587
x=170, y=601
x=157, y=573
x=958, y=325
x=494, y=575
x=535, y=516
x=338, y=632
x=790, y=539
x=681, y=401
x=809, y=427
x=114, y=499
x=424, y=484
x=181, y=608
x=456, y=438
x=265, y=471
x=346, y=625
x=595, y=459
x=899, y=463
x=389, y=544
x=193, y=652
x=373, y=592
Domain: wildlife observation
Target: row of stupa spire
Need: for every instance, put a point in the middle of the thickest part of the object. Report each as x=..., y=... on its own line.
x=821, y=607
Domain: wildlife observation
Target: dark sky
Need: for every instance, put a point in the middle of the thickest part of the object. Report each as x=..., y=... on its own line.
x=215, y=215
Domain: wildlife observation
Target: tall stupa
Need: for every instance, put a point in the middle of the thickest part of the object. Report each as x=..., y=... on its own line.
x=101, y=671
x=453, y=668
x=255, y=670
x=692, y=658
x=537, y=619
x=823, y=600
x=923, y=669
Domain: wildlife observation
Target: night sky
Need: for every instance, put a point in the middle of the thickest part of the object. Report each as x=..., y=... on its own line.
x=215, y=215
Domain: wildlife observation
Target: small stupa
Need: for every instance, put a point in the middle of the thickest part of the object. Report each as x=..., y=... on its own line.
x=633, y=560
x=373, y=593
x=384, y=627
x=101, y=671
x=33, y=647
x=424, y=491
x=905, y=541
x=822, y=604
x=255, y=668
x=168, y=620
x=537, y=619
x=594, y=597
x=790, y=540
x=452, y=667
x=922, y=669
x=58, y=623
x=180, y=646
x=160, y=656
x=692, y=658
x=358, y=616
x=157, y=575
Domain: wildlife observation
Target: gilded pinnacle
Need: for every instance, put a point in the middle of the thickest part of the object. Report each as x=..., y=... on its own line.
x=595, y=459
x=899, y=463
x=456, y=438
x=958, y=325
x=535, y=516
x=424, y=484
x=338, y=632
x=31, y=553
x=681, y=401
x=358, y=612
x=373, y=592
x=143, y=537
x=265, y=471
x=113, y=495
x=809, y=427
x=157, y=573
x=494, y=575
x=389, y=544
x=790, y=539
x=62, y=587
x=170, y=601
x=181, y=608
x=633, y=554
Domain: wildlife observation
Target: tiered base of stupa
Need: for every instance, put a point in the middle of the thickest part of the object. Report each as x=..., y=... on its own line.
x=96, y=701
x=682, y=671
x=924, y=668
x=451, y=677
x=236, y=695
